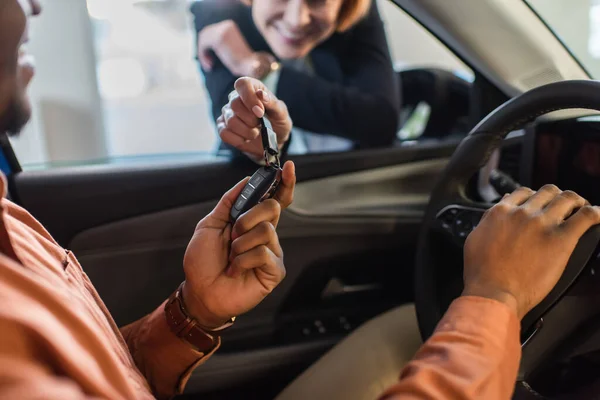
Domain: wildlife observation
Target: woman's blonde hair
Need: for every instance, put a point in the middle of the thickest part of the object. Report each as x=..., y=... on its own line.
x=351, y=13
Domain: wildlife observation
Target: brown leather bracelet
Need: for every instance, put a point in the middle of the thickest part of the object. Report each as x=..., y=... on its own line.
x=187, y=328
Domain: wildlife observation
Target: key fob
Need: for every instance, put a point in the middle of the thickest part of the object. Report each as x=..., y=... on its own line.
x=261, y=186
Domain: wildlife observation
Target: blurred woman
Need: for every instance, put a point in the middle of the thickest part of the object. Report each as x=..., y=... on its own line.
x=327, y=60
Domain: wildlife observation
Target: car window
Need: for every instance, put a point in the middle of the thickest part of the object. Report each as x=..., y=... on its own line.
x=118, y=81
x=583, y=42
x=422, y=60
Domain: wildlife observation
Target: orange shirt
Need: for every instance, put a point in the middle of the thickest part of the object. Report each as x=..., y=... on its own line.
x=473, y=354
x=58, y=340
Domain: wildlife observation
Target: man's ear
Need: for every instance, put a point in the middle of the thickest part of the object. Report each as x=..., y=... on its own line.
x=246, y=2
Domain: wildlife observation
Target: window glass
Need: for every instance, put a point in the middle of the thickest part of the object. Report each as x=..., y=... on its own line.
x=412, y=46
x=154, y=101
x=563, y=16
x=117, y=81
x=421, y=58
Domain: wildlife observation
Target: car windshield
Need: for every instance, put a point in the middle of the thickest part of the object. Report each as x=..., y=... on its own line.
x=577, y=25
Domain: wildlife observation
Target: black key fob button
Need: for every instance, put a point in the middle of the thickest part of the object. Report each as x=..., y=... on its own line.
x=256, y=180
x=261, y=186
x=239, y=203
x=247, y=192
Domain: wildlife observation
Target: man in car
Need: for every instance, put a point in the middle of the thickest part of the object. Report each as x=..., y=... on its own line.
x=58, y=341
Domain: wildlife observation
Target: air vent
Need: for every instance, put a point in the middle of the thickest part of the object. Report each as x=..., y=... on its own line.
x=510, y=160
x=542, y=77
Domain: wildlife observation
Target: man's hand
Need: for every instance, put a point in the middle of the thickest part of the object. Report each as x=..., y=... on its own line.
x=521, y=247
x=229, y=44
x=230, y=269
x=238, y=124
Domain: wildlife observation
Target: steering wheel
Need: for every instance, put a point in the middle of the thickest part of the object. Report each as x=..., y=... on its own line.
x=563, y=325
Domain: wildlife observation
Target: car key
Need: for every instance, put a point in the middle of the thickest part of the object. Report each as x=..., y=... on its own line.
x=263, y=184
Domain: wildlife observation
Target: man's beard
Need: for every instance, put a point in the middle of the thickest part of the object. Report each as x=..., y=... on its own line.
x=14, y=118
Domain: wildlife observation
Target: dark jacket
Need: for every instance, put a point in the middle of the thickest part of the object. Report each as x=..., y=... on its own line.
x=353, y=93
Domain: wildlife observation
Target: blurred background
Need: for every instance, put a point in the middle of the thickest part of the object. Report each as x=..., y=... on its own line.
x=118, y=78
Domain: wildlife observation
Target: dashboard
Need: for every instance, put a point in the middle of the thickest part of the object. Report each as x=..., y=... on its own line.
x=565, y=153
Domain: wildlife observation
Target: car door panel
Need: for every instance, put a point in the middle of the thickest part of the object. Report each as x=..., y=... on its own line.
x=146, y=251
x=400, y=190
x=348, y=239
x=246, y=367
x=94, y=195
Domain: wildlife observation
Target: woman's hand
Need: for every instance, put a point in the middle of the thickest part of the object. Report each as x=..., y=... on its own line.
x=228, y=43
x=238, y=124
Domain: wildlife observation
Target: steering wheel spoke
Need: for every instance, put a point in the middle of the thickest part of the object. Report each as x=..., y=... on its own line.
x=458, y=221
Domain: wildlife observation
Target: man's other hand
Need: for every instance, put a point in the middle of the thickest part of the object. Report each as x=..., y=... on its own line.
x=522, y=245
x=230, y=269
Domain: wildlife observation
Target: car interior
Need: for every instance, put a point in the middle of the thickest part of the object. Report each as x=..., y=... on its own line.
x=370, y=229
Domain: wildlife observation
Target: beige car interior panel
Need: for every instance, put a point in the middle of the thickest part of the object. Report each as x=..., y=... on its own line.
x=396, y=191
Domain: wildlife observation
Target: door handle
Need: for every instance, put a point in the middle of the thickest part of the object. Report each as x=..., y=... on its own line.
x=335, y=287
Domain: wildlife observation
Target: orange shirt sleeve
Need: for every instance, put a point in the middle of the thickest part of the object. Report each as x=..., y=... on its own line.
x=25, y=371
x=473, y=354
x=165, y=360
